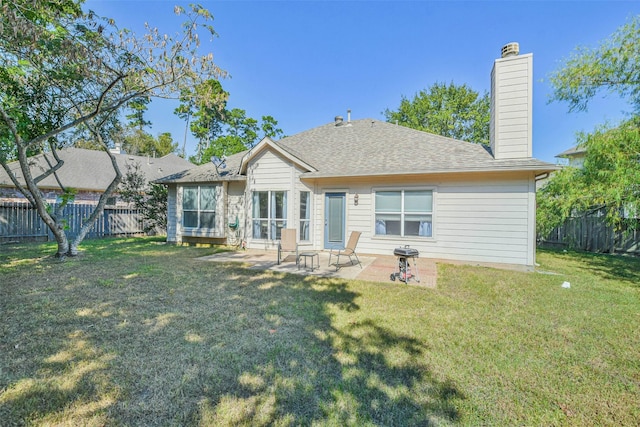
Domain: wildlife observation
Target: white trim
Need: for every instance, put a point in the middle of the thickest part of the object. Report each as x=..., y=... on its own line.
x=267, y=143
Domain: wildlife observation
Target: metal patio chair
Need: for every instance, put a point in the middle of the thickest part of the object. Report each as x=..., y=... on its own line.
x=349, y=250
x=287, y=243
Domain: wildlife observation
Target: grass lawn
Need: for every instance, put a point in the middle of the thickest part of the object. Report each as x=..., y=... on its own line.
x=135, y=332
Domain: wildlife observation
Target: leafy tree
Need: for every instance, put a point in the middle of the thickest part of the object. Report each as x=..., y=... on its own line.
x=65, y=72
x=239, y=133
x=202, y=107
x=220, y=132
x=138, y=107
x=164, y=145
x=609, y=180
x=613, y=66
x=449, y=110
x=270, y=129
x=149, y=198
x=138, y=142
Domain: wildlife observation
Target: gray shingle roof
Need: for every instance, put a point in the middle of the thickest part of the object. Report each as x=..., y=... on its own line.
x=208, y=173
x=371, y=147
x=572, y=151
x=91, y=170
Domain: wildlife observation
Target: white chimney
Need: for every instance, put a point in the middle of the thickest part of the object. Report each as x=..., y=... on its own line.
x=511, y=104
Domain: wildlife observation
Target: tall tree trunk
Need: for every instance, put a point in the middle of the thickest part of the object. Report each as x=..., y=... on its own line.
x=86, y=225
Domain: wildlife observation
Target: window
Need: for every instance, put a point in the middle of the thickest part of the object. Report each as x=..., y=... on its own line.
x=404, y=213
x=305, y=214
x=199, y=207
x=269, y=214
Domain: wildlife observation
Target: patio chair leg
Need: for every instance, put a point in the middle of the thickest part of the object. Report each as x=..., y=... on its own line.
x=357, y=259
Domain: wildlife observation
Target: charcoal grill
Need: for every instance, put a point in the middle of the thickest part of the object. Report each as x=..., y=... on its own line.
x=407, y=267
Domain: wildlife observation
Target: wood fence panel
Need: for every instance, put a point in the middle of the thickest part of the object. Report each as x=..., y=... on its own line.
x=20, y=221
x=591, y=233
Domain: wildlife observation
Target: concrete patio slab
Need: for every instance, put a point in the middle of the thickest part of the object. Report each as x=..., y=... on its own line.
x=375, y=268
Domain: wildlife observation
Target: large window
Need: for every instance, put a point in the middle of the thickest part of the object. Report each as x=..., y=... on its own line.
x=269, y=214
x=305, y=214
x=404, y=213
x=199, y=206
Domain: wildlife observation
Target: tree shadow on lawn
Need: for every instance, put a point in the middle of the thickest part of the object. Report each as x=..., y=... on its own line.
x=304, y=368
x=614, y=267
x=224, y=347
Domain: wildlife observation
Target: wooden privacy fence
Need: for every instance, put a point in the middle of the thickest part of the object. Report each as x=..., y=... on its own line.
x=20, y=221
x=591, y=233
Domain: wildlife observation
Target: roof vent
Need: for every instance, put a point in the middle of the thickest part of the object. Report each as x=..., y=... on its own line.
x=510, y=49
x=339, y=120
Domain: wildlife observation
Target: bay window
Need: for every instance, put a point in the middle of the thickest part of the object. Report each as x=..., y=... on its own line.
x=269, y=214
x=199, y=206
x=404, y=213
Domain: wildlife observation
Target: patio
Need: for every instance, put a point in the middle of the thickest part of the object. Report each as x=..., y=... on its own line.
x=375, y=268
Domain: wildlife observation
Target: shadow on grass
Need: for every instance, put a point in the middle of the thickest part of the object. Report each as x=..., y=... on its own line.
x=191, y=343
x=615, y=267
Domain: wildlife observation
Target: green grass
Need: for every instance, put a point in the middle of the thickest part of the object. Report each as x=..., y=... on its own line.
x=135, y=332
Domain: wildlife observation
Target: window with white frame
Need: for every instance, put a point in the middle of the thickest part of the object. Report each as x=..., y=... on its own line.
x=269, y=214
x=305, y=214
x=199, y=206
x=404, y=213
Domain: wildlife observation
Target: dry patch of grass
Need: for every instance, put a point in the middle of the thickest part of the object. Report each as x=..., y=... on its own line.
x=134, y=332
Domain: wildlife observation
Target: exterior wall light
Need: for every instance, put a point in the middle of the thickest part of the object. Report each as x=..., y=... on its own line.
x=355, y=200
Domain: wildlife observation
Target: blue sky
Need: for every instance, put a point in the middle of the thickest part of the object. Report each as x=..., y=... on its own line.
x=304, y=62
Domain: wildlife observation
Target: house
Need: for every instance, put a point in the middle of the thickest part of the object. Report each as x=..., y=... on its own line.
x=449, y=199
x=574, y=155
x=89, y=172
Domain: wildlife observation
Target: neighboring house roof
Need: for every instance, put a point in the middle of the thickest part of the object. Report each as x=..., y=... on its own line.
x=91, y=170
x=370, y=147
x=572, y=152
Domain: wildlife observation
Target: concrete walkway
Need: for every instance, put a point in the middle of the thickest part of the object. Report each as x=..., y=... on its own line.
x=375, y=268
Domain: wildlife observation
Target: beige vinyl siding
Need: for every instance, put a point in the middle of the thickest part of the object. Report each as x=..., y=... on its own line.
x=480, y=219
x=488, y=223
x=236, y=205
x=268, y=171
x=171, y=214
x=511, y=102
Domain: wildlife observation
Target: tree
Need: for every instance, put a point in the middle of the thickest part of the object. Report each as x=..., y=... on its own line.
x=449, y=110
x=239, y=133
x=165, y=145
x=138, y=107
x=149, y=198
x=137, y=142
x=65, y=72
x=609, y=180
x=613, y=66
x=202, y=107
x=141, y=143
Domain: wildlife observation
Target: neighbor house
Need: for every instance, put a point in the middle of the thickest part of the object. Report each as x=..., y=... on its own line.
x=89, y=172
x=574, y=156
x=449, y=199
